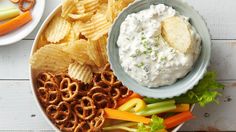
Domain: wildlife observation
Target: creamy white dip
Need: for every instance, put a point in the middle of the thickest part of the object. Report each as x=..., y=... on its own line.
x=146, y=56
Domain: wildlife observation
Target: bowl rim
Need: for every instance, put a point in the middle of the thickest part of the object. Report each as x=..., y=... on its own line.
x=33, y=49
x=203, y=66
x=33, y=89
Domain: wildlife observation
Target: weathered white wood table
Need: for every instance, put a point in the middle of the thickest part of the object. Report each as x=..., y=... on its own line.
x=18, y=110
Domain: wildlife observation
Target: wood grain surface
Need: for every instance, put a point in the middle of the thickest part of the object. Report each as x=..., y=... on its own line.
x=18, y=110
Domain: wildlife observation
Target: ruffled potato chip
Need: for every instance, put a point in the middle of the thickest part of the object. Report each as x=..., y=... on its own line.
x=75, y=28
x=77, y=50
x=57, y=29
x=97, y=51
x=102, y=9
x=115, y=7
x=96, y=27
x=68, y=6
x=83, y=17
x=175, y=31
x=51, y=58
x=90, y=5
x=80, y=72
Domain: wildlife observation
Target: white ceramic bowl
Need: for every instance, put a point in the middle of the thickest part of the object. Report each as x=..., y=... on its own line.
x=182, y=85
x=22, y=32
x=32, y=74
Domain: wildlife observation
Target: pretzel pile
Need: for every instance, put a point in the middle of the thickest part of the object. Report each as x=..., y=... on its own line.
x=107, y=89
x=74, y=106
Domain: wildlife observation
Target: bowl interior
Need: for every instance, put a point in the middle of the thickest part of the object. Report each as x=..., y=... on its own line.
x=182, y=85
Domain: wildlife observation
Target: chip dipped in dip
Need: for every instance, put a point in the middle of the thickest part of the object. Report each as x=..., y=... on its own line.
x=154, y=56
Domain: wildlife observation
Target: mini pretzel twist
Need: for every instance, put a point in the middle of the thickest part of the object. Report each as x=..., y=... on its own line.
x=99, y=120
x=43, y=95
x=70, y=124
x=83, y=88
x=107, y=67
x=43, y=78
x=69, y=90
x=115, y=93
x=125, y=92
x=53, y=92
x=21, y=3
x=85, y=109
x=96, y=89
x=84, y=126
x=108, y=77
x=101, y=100
x=112, y=103
x=59, y=113
x=107, y=70
x=59, y=77
x=97, y=79
x=100, y=96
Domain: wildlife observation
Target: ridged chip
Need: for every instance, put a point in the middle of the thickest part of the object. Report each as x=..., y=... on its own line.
x=89, y=5
x=102, y=9
x=75, y=28
x=80, y=72
x=103, y=1
x=115, y=7
x=83, y=16
x=97, y=51
x=96, y=27
x=41, y=41
x=77, y=50
x=70, y=37
x=110, y=14
x=51, y=58
x=68, y=6
x=175, y=31
x=57, y=29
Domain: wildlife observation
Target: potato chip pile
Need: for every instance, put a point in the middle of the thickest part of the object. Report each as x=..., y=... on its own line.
x=75, y=40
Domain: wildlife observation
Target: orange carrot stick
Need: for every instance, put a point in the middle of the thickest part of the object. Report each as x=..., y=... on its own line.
x=15, y=23
x=177, y=119
x=133, y=95
x=125, y=116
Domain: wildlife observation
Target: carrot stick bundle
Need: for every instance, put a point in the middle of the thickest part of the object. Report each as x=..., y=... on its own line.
x=15, y=23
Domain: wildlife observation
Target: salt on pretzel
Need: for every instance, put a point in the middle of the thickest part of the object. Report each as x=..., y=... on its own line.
x=22, y=3
x=59, y=113
x=85, y=109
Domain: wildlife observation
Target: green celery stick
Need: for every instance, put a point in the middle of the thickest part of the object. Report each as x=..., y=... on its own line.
x=7, y=14
x=158, y=110
x=160, y=104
